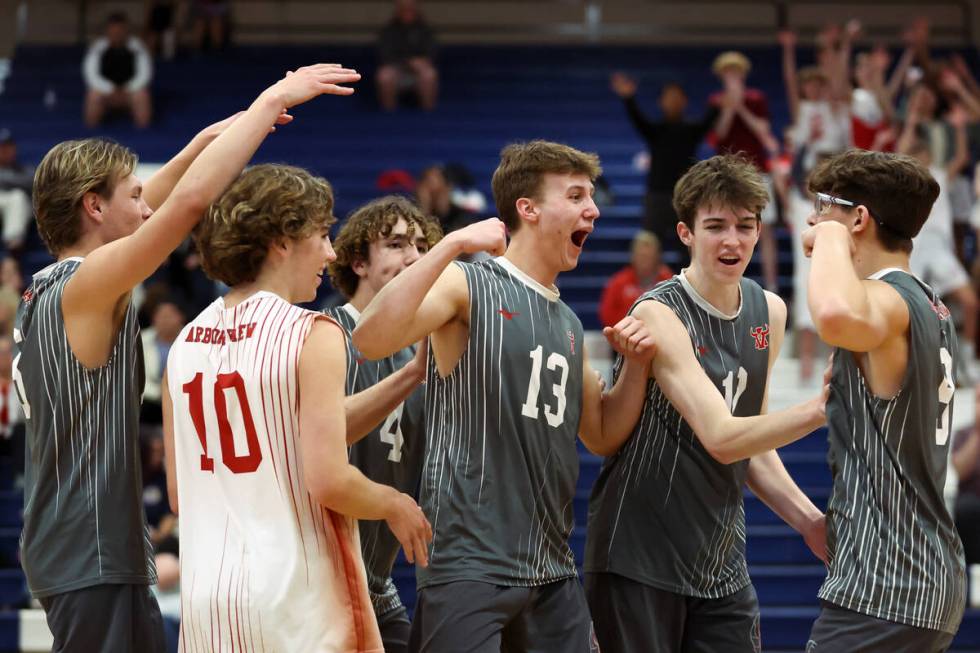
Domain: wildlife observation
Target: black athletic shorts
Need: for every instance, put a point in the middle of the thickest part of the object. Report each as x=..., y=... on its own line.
x=839, y=630
x=477, y=617
x=395, y=627
x=105, y=618
x=633, y=617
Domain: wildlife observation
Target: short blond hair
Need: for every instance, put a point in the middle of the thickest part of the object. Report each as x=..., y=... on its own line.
x=523, y=167
x=66, y=173
x=266, y=204
x=731, y=59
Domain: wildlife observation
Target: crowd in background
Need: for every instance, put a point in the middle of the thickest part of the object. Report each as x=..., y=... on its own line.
x=915, y=103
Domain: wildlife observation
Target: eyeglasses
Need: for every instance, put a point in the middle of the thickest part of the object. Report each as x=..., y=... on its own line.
x=824, y=203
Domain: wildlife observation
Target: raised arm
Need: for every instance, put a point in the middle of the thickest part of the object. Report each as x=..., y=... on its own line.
x=787, y=39
x=625, y=87
x=159, y=186
x=369, y=408
x=427, y=295
x=848, y=312
x=111, y=271
x=687, y=387
x=608, y=419
x=961, y=151
x=332, y=480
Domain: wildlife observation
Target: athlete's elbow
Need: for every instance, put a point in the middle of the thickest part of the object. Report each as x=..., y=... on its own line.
x=368, y=339
x=723, y=451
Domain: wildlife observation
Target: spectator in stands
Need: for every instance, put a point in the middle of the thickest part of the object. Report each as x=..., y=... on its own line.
x=11, y=288
x=934, y=253
x=434, y=194
x=645, y=271
x=743, y=126
x=406, y=47
x=209, y=23
x=117, y=70
x=11, y=414
x=673, y=143
x=873, y=117
x=159, y=518
x=166, y=321
x=966, y=462
x=16, y=179
x=162, y=20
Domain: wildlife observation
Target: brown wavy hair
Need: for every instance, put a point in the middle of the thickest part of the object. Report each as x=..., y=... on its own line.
x=726, y=180
x=66, y=173
x=268, y=203
x=523, y=167
x=369, y=223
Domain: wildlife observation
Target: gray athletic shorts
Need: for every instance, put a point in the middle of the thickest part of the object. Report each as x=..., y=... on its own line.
x=395, y=627
x=633, y=617
x=838, y=630
x=116, y=618
x=476, y=617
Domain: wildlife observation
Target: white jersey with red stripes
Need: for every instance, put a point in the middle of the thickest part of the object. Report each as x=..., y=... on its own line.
x=264, y=567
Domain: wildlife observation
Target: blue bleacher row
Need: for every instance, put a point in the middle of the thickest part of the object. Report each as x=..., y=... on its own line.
x=490, y=96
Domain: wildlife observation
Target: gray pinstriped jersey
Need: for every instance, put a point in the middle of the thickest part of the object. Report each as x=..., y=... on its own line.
x=894, y=552
x=390, y=454
x=501, y=463
x=663, y=511
x=83, y=510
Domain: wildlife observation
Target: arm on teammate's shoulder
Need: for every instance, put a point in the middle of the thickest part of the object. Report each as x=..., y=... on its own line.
x=332, y=480
x=620, y=408
x=427, y=295
x=367, y=409
x=114, y=269
x=848, y=312
x=683, y=381
x=170, y=452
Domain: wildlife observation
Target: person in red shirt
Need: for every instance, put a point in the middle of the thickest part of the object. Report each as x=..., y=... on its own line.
x=643, y=273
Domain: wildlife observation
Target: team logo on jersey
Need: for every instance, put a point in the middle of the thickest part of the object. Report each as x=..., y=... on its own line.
x=702, y=350
x=507, y=314
x=571, y=341
x=940, y=310
x=761, y=335
x=28, y=295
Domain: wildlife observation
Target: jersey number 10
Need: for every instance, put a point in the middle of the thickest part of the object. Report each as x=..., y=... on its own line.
x=237, y=464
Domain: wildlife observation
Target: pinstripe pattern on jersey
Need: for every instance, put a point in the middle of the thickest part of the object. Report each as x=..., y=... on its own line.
x=663, y=511
x=894, y=551
x=497, y=486
x=257, y=544
x=379, y=546
x=83, y=514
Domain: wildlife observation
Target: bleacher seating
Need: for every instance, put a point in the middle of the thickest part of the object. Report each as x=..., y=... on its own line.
x=490, y=97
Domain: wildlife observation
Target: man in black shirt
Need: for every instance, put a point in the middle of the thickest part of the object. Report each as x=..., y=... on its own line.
x=117, y=70
x=673, y=143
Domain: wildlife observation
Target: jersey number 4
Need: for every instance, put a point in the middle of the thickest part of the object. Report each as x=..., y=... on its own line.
x=243, y=464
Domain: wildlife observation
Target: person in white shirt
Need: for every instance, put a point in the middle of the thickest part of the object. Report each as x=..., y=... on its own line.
x=117, y=70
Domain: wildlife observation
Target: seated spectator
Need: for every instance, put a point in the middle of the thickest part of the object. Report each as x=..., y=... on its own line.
x=966, y=462
x=643, y=273
x=16, y=180
x=209, y=23
x=166, y=321
x=117, y=70
x=160, y=520
x=406, y=47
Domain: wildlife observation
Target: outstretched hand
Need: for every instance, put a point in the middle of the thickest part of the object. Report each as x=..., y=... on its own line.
x=622, y=85
x=308, y=82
